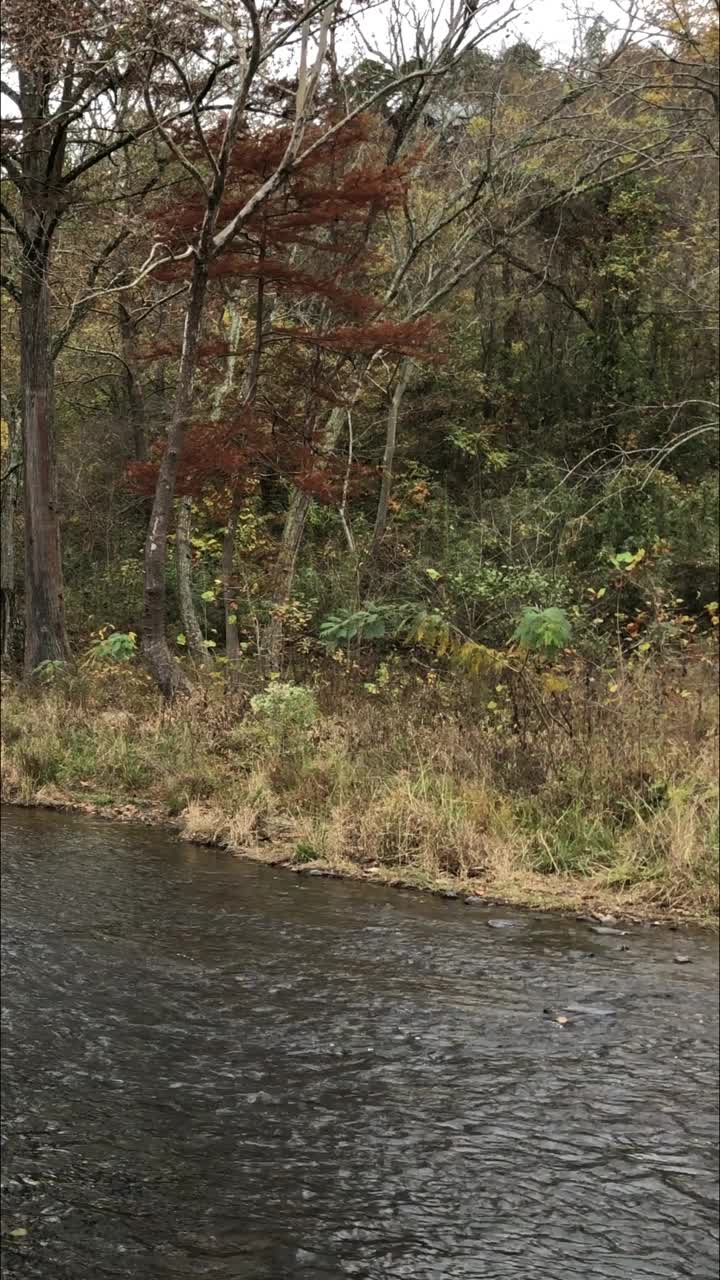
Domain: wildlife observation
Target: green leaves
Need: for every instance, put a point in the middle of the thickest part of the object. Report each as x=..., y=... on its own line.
x=119, y=646
x=371, y=623
x=628, y=560
x=543, y=631
x=49, y=669
x=286, y=712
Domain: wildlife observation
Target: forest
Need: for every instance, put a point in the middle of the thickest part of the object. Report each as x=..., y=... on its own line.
x=360, y=437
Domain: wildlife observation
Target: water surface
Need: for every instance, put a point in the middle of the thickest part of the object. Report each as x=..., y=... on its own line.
x=217, y=1069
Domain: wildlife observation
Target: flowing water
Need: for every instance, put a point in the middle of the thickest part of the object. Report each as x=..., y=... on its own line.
x=212, y=1068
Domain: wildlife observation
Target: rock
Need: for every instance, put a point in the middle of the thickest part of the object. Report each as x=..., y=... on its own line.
x=473, y=902
x=555, y=1016
x=682, y=959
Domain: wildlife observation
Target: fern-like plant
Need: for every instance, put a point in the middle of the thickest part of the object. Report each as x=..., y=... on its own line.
x=543, y=631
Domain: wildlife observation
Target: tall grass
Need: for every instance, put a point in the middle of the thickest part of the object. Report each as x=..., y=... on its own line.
x=611, y=795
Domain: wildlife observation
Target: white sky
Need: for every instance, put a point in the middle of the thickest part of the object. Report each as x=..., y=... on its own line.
x=550, y=23
x=546, y=24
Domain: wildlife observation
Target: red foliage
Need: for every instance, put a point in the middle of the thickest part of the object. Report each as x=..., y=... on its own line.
x=325, y=207
x=406, y=337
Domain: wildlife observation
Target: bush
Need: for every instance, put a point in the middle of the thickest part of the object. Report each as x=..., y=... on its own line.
x=285, y=713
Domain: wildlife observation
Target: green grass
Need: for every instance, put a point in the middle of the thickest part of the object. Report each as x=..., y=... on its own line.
x=417, y=785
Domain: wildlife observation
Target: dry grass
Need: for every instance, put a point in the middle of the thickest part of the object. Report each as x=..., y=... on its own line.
x=612, y=800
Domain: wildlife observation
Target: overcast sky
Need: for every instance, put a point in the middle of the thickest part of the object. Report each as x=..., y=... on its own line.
x=546, y=24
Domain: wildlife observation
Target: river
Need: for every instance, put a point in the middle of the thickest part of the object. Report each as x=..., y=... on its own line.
x=213, y=1068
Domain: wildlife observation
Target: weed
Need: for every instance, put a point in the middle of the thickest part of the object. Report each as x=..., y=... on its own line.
x=586, y=799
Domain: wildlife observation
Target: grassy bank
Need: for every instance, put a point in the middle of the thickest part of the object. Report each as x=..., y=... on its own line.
x=605, y=798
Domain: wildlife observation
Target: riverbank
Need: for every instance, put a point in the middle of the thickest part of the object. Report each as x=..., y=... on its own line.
x=431, y=791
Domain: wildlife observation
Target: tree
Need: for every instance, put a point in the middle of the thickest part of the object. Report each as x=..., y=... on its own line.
x=303, y=321
x=60, y=72
x=254, y=41
x=70, y=77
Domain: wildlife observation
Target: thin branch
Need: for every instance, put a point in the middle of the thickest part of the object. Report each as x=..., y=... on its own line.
x=17, y=227
x=10, y=287
x=10, y=471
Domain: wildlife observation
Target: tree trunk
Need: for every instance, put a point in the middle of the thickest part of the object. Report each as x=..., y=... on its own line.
x=10, y=484
x=300, y=502
x=389, y=459
x=183, y=553
x=45, y=638
x=295, y=520
x=133, y=388
x=232, y=637
x=161, y=664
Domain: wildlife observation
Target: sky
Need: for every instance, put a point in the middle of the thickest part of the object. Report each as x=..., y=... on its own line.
x=549, y=22
x=546, y=24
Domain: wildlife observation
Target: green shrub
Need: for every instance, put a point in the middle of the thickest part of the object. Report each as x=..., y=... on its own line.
x=284, y=714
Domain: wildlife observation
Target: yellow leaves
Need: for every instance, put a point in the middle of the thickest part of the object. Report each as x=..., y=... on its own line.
x=657, y=97
x=476, y=659
x=442, y=645
x=473, y=658
x=552, y=683
x=478, y=127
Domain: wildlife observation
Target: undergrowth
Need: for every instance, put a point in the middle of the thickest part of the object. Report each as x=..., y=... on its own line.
x=611, y=792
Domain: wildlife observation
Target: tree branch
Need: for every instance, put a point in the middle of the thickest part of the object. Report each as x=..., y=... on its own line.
x=10, y=287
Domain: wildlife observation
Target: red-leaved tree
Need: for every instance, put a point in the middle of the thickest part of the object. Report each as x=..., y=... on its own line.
x=300, y=271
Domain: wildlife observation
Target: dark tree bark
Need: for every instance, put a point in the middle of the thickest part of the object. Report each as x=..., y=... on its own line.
x=42, y=161
x=9, y=494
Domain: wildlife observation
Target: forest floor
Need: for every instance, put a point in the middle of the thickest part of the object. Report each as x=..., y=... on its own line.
x=611, y=810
